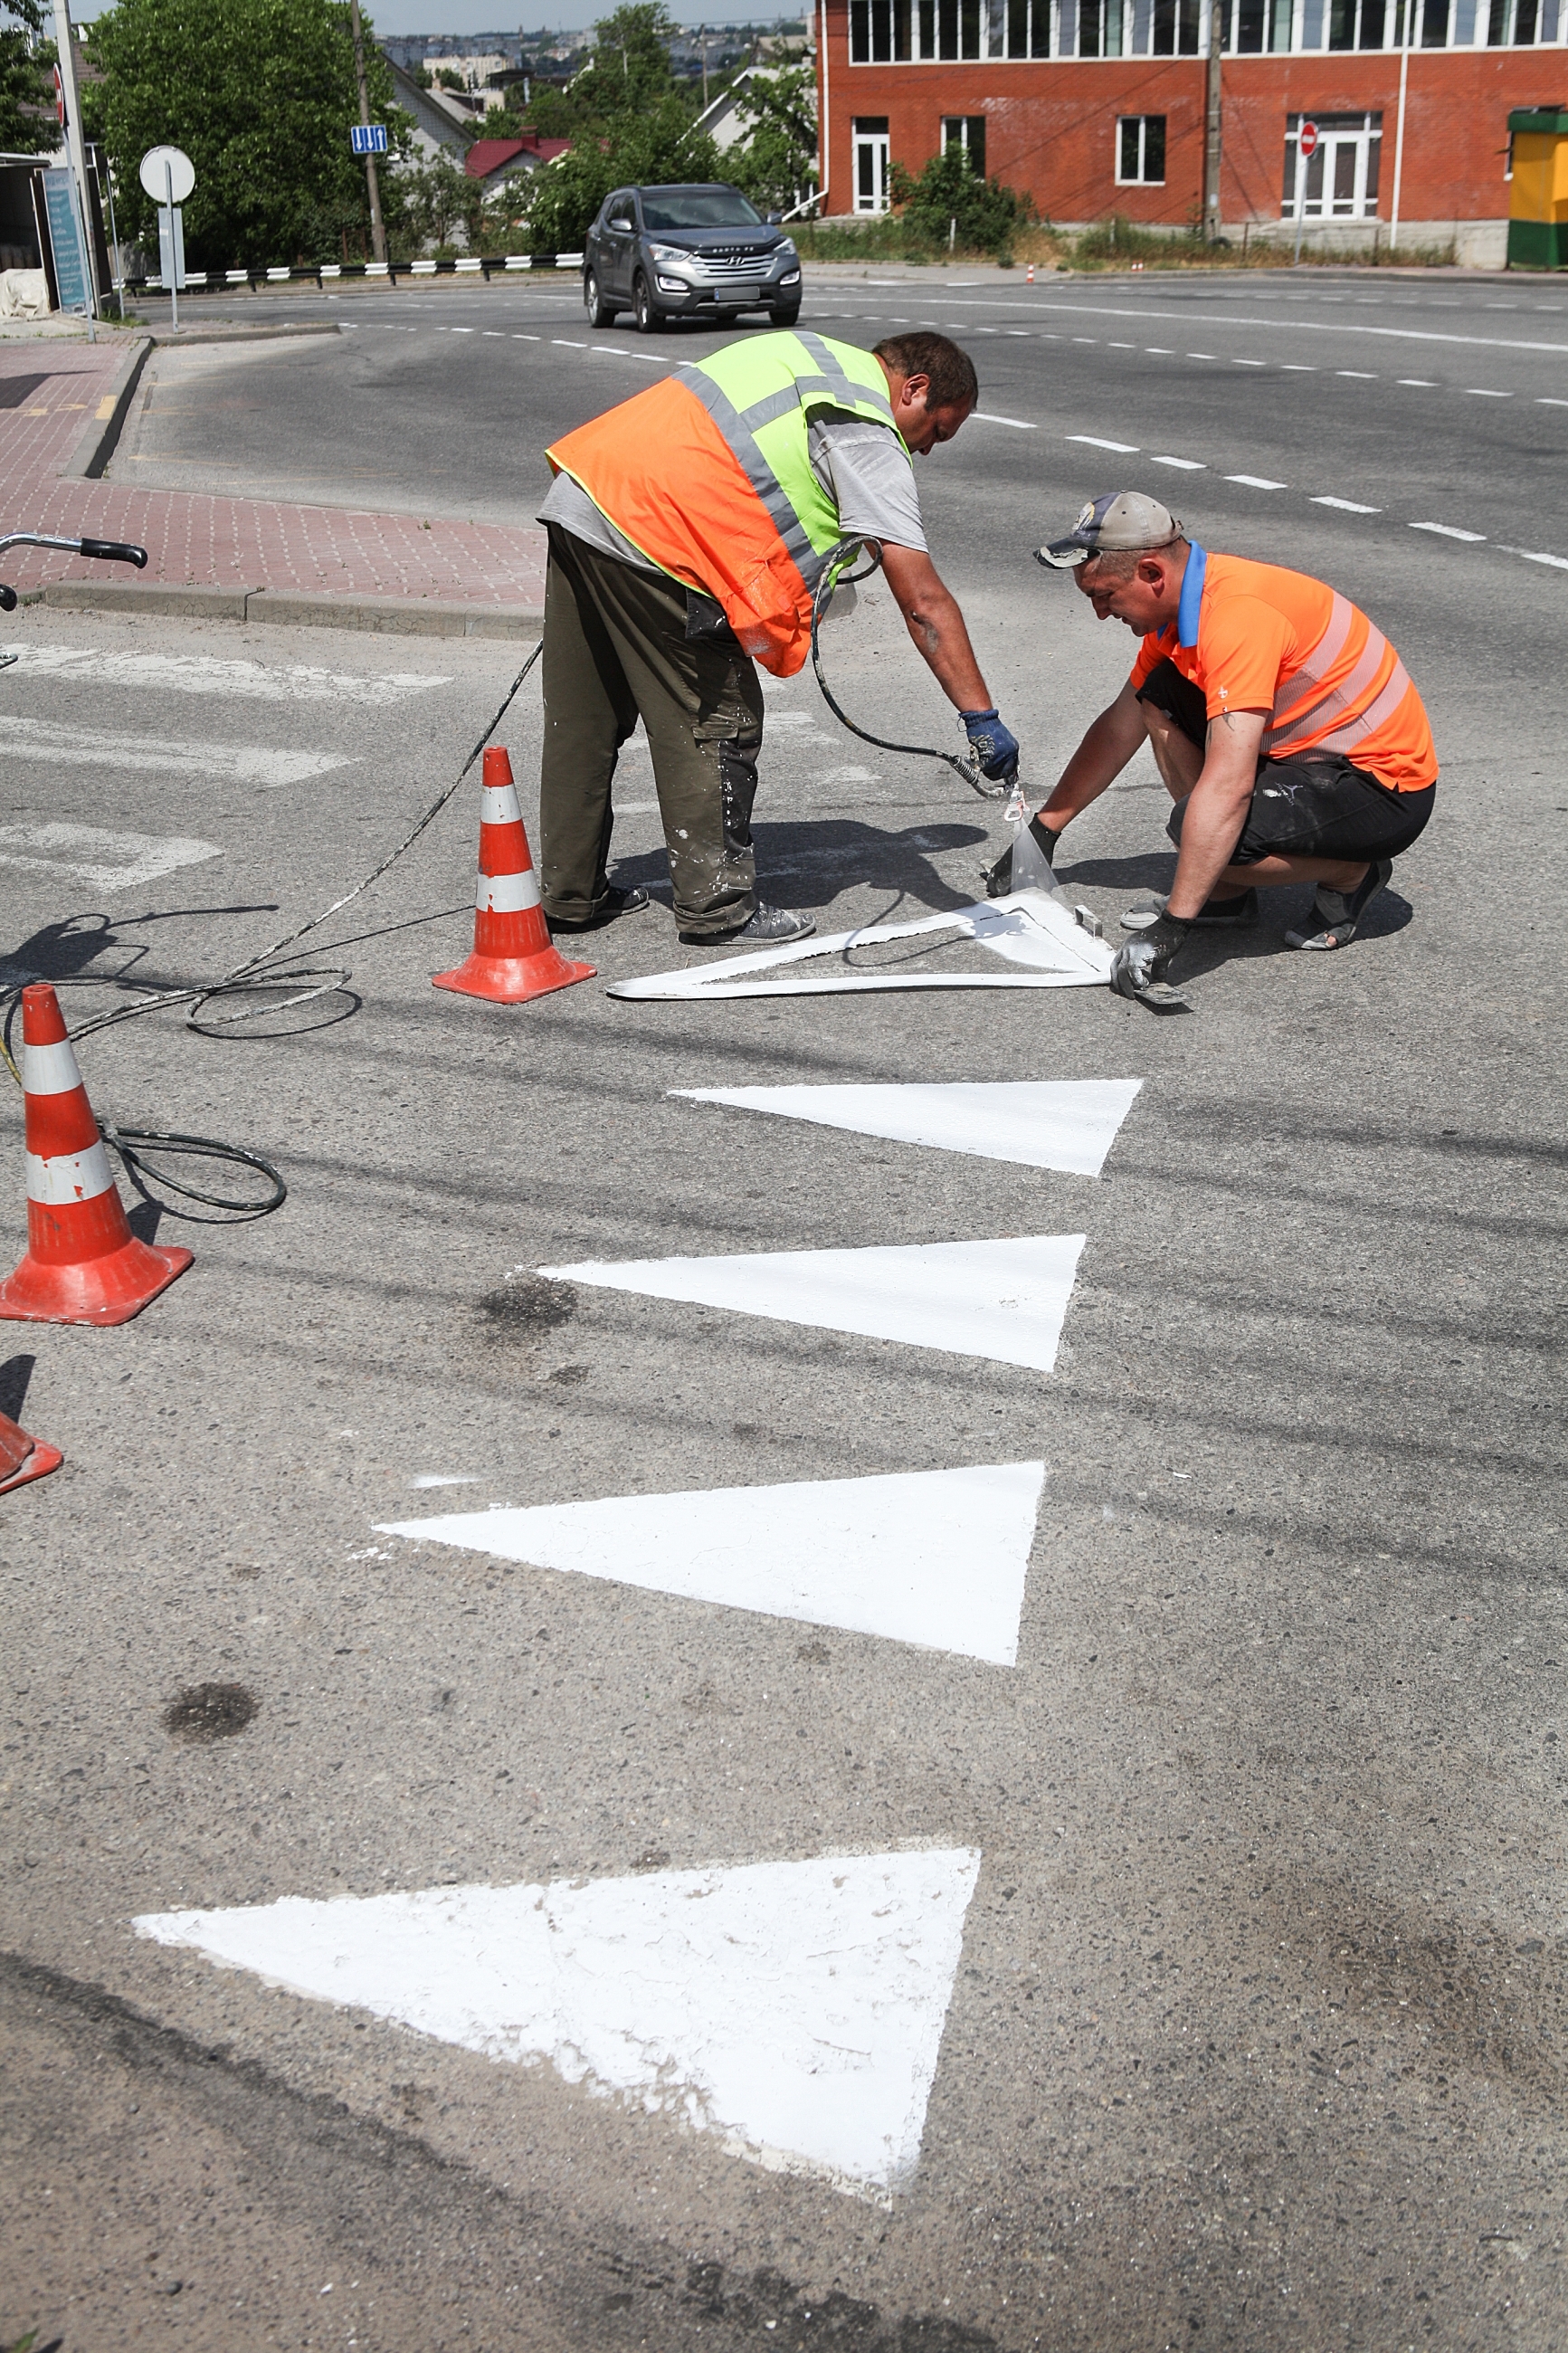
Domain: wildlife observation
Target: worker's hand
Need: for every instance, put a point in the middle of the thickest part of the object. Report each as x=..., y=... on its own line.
x=1148, y=958
x=995, y=746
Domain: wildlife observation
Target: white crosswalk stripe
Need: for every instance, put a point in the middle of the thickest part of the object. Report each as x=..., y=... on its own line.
x=95, y=748
x=206, y=675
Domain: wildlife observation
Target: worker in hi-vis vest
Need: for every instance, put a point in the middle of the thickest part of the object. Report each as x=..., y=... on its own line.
x=1284, y=726
x=688, y=529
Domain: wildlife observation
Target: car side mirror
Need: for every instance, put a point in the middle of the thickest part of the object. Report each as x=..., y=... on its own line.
x=775, y=220
x=619, y=223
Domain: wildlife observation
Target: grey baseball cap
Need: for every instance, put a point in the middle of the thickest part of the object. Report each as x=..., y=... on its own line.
x=1119, y=518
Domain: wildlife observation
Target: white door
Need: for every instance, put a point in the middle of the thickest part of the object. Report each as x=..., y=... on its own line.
x=871, y=165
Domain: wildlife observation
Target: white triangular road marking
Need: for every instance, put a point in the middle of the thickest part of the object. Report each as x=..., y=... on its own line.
x=795, y=2009
x=937, y=1557
x=1029, y=929
x=1005, y=1300
x=1065, y=1124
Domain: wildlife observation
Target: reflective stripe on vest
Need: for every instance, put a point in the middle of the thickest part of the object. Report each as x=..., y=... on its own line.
x=761, y=396
x=1303, y=704
x=708, y=475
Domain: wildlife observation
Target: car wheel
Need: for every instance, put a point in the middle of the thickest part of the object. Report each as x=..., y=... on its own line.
x=649, y=319
x=600, y=313
x=785, y=314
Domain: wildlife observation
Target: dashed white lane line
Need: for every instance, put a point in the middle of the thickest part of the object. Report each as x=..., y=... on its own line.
x=1200, y=355
x=1419, y=383
x=1123, y=449
x=1545, y=403
x=1533, y=556
x=527, y=339
x=1297, y=367
x=566, y=344
x=1187, y=464
x=1347, y=506
x=1019, y=424
x=1250, y=362
x=459, y=331
x=1122, y=347
x=1258, y=482
x=1160, y=351
x=1447, y=530
x=1363, y=375
x=1479, y=392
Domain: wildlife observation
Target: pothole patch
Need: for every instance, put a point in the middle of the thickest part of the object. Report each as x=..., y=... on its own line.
x=202, y=1713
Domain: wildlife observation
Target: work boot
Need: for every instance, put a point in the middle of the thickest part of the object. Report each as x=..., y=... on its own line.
x=1214, y=914
x=614, y=902
x=1335, y=913
x=772, y=928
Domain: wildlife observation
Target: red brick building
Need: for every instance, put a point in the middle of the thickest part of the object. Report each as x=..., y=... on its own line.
x=1097, y=106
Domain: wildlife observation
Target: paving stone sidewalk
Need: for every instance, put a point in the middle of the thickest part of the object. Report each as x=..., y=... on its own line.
x=224, y=543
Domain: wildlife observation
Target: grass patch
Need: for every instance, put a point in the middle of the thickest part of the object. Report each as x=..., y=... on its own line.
x=1114, y=244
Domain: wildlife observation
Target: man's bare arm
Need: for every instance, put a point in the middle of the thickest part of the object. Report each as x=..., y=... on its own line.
x=936, y=625
x=1217, y=808
x=1104, y=752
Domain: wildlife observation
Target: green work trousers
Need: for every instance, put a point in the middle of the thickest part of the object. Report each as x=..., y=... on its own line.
x=616, y=646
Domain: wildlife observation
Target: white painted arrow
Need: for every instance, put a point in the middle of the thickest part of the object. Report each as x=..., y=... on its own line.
x=937, y=1557
x=794, y=2009
x=1065, y=1124
x=1005, y=1300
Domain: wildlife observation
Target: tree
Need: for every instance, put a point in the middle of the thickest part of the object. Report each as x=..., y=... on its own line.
x=27, y=124
x=627, y=119
x=776, y=163
x=261, y=94
x=950, y=190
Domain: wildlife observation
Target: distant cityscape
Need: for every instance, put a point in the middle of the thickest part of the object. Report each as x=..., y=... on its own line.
x=549, y=54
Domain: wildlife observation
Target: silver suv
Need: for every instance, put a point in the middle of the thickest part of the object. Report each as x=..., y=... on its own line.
x=697, y=252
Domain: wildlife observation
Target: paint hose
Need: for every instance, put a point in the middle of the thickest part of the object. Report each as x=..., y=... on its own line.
x=274, y=967
x=836, y=575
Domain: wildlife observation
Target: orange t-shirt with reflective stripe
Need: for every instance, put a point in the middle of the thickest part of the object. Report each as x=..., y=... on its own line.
x=1273, y=640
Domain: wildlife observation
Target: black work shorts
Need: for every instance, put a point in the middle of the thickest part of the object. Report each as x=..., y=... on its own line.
x=1316, y=805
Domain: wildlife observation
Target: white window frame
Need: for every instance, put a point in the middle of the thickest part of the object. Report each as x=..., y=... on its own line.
x=1330, y=139
x=1140, y=180
x=875, y=147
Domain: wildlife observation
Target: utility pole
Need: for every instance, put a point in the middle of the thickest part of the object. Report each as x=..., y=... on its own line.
x=1212, y=148
x=76, y=150
x=377, y=233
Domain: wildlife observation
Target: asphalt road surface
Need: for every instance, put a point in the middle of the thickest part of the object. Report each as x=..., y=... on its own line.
x=1254, y=2035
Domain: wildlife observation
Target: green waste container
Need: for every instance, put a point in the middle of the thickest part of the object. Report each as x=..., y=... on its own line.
x=1538, y=206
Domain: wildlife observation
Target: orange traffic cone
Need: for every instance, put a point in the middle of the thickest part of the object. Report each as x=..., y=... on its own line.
x=23, y=1458
x=1030, y=280
x=512, y=959
x=83, y=1265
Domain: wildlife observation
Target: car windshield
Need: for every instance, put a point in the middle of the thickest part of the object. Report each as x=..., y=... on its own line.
x=699, y=208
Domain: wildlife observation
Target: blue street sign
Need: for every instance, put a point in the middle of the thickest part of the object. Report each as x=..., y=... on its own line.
x=368, y=138
x=65, y=238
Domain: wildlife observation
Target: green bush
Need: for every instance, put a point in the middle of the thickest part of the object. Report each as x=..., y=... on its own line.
x=949, y=200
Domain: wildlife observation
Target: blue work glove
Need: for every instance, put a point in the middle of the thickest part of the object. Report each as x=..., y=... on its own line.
x=1144, y=963
x=995, y=746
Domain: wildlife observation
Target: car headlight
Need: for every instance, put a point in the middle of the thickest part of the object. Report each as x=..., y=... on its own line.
x=672, y=285
x=785, y=252
x=668, y=253
x=790, y=278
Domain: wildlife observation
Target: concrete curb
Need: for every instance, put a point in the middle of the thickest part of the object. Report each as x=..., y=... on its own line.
x=409, y=616
x=169, y=341
x=99, y=438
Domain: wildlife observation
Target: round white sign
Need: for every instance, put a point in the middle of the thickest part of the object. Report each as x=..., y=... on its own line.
x=167, y=167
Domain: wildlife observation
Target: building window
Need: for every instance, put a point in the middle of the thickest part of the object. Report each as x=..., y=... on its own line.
x=903, y=32
x=1339, y=178
x=1141, y=151
x=871, y=162
x=967, y=134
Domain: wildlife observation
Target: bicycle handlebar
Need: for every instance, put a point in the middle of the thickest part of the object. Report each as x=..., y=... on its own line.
x=102, y=551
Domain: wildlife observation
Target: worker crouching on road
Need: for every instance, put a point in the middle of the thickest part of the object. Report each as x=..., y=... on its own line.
x=1283, y=722
x=688, y=530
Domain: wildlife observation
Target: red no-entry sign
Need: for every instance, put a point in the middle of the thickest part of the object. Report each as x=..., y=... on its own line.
x=1308, y=137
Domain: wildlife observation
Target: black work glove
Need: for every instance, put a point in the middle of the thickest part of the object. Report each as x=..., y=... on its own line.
x=998, y=879
x=995, y=746
x=1149, y=957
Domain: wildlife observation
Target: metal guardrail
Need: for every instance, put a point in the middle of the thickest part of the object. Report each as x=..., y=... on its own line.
x=327, y=273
